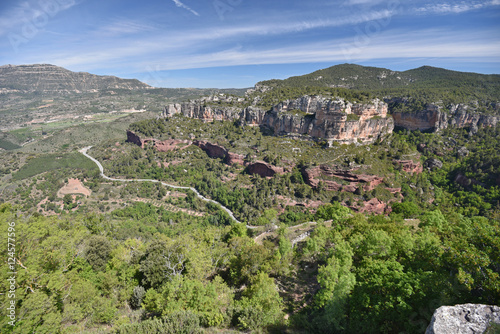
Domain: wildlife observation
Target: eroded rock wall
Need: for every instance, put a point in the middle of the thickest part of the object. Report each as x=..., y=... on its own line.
x=328, y=173
x=434, y=119
x=264, y=169
x=160, y=145
x=203, y=112
x=334, y=120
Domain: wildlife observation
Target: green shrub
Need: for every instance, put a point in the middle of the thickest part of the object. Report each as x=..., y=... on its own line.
x=407, y=209
x=182, y=322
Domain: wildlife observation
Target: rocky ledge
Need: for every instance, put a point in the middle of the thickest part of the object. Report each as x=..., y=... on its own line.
x=409, y=166
x=333, y=120
x=160, y=145
x=327, y=174
x=332, y=177
x=464, y=319
x=261, y=168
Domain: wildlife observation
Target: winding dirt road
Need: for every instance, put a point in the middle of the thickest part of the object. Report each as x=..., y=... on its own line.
x=200, y=196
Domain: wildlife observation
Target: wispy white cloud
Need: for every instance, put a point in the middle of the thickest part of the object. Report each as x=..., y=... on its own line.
x=129, y=44
x=124, y=27
x=178, y=3
x=363, y=2
x=425, y=44
x=432, y=43
x=456, y=7
x=284, y=26
x=178, y=44
x=36, y=13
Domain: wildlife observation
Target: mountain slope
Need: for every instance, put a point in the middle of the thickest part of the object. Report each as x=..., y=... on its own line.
x=372, y=78
x=386, y=81
x=45, y=93
x=51, y=79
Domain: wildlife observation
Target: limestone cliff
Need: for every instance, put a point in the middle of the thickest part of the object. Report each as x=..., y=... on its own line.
x=333, y=120
x=203, y=112
x=435, y=119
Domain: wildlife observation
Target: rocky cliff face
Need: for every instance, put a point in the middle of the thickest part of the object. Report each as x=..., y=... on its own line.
x=433, y=118
x=328, y=173
x=261, y=168
x=409, y=166
x=333, y=120
x=264, y=169
x=160, y=145
x=464, y=319
x=203, y=112
x=423, y=120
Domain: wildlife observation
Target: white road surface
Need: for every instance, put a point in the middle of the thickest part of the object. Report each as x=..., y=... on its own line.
x=200, y=196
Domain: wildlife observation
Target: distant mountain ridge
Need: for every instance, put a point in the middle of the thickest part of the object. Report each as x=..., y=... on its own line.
x=51, y=79
x=374, y=78
x=46, y=93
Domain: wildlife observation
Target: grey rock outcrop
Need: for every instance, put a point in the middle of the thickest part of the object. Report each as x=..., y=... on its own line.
x=462, y=152
x=433, y=163
x=464, y=319
x=434, y=119
x=430, y=119
x=201, y=111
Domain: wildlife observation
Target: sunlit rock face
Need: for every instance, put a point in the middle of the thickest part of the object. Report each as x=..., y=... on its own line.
x=334, y=120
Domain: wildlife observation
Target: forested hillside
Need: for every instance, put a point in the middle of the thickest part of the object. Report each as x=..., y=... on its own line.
x=426, y=84
x=330, y=238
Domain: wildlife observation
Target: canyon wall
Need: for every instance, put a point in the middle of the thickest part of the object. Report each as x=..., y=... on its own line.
x=434, y=119
x=336, y=120
x=333, y=120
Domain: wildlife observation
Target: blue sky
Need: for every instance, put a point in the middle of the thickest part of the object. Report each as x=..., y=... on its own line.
x=236, y=43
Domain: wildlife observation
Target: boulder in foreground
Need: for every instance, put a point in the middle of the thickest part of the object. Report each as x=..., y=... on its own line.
x=465, y=319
